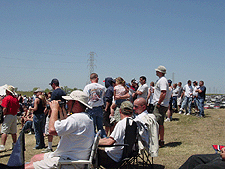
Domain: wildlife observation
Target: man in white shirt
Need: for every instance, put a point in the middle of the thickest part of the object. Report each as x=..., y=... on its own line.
x=195, y=95
x=187, y=92
x=140, y=108
x=161, y=99
x=112, y=155
x=142, y=90
x=76, y=132
x=96, y=92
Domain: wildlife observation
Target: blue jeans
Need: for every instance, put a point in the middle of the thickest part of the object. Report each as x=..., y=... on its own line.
x=174, y=102
x=187, y=103
x=28, y=125
x=201, y=107
x=96, y=114
x=39, y=120
x=196, y=102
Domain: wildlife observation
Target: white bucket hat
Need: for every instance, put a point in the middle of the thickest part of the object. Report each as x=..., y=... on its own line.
x=79, y=96
x=161, y=69
x=10, y=89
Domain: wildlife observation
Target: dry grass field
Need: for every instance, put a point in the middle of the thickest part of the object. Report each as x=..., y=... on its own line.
x=184, y=136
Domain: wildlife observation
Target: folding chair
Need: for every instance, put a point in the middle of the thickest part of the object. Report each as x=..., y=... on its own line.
x=130, y=150
x=91, y=163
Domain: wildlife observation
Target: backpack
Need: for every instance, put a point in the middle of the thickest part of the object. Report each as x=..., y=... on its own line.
x=1, y=114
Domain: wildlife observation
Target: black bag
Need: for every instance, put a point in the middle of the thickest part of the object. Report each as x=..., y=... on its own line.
x=1, y=114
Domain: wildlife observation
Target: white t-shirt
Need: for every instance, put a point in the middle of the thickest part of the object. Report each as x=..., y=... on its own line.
x=77, y=137
x=118, y=135
x=161, y=84
x=151, y=96
x=120, y=90
x=96, y=92
x=144, y=89
x=194, y=91
x=188, y=90
x=176, y=91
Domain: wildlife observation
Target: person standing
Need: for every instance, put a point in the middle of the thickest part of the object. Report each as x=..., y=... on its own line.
x=188, y=92
x=150, y=106
x=10, y=106
x=142, y=90
x=195, y=96
x=55, y=95
x=201, y=98
x=96, y=92
x=161, y=100
x=39, y=118
x=179, y=96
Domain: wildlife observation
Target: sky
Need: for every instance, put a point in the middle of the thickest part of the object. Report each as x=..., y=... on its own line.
x=42, y=40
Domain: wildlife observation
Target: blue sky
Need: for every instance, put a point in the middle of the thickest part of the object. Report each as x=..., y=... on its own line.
x=41, y=40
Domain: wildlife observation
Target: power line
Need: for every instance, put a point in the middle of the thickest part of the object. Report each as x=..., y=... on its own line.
x=36, y=60
x=91, y=64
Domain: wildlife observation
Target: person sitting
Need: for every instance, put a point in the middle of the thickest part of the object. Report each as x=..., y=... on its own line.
x=110, y=156
x=28, y=122
x=203, y=161
x=76, y=132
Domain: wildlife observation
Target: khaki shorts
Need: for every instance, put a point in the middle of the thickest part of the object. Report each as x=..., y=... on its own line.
x=160, y=114
x=9, y=125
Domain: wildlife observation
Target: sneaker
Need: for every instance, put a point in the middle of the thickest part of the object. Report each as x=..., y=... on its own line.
x=47, y=150
x=188, y=114
x=161, y=143
x=2, y=148
x=112, y=120
x=184, y=113
x=168, y=119
x=30, y=133
x=180, y=112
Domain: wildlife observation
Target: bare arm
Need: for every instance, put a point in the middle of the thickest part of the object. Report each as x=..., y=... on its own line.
x=54, y=116
x=107, y=141
x=162, y=97
x=4, y=110
x=122, y=97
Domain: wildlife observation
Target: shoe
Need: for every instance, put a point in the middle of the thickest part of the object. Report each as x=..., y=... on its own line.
x=2, y=148
x=184, y=113
x=112, y=120
x=47, y=150
x=168, y=119
x=180, y=112
x=161, y=143
x=188, y=114
x=30, y=133
x=36, y=148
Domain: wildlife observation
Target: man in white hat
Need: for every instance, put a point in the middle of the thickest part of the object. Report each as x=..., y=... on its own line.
x=76, y=132
x=161, y=100
x=10, y=106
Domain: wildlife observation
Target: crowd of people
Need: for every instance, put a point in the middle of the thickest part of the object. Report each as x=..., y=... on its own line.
x=76, y=117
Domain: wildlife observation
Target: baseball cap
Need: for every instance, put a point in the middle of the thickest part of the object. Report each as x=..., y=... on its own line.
x=55, y=81
x=126, y=106
x=161, y=69
x=169, y=81
x=79, y=96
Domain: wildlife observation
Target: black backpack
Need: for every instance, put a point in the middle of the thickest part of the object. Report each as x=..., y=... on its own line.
x=1, y=114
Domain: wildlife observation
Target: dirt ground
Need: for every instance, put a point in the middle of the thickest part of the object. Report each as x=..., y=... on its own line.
x=184, y=136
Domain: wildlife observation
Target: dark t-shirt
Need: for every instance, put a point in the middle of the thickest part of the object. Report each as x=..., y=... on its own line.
x=57, y=94
x=202, y=94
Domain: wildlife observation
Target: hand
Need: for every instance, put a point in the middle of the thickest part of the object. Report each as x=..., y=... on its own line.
x=117, y=97
x=223, y=150
x=54, y=105
x=223, y=156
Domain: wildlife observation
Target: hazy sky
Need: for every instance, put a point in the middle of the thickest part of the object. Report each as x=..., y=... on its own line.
x=41, y=40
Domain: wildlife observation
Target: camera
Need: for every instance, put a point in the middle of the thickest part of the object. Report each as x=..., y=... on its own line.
x=61, y=104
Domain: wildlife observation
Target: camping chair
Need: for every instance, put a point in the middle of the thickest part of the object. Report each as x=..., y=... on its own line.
x=130, y=150
x=147, y=140
x=16, y=159
x=91, y=163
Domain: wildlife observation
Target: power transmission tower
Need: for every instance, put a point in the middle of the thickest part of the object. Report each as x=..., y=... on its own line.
x=91, y=64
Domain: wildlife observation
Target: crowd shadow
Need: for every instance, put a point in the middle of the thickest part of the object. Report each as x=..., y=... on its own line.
x=5, y=155
x=175, y=119
x=173, y=144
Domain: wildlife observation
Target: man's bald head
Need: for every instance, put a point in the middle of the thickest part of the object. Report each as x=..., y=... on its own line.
x=140, y=105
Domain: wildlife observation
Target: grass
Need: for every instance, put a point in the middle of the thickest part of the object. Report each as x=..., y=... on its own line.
x=184, y=136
